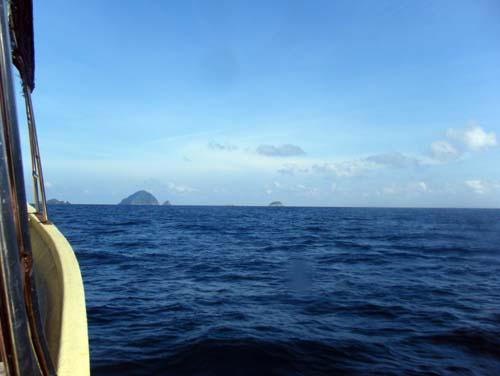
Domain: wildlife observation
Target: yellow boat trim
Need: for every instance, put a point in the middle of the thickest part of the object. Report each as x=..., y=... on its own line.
x=61, y=297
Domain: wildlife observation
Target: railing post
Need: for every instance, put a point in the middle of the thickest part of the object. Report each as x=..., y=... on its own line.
x=36, y=161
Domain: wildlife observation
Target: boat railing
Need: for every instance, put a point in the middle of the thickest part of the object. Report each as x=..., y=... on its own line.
x=27, y=79
x=36, y=162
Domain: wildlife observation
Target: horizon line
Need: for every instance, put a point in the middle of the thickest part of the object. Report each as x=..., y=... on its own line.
x=287, y=206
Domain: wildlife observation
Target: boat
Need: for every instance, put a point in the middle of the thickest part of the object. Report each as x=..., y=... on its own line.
x=43, y=321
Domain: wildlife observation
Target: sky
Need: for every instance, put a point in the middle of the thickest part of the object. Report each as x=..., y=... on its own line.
x=312, y=103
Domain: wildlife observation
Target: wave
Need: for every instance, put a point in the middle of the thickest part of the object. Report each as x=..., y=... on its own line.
x=476, y=341
x=243, y=357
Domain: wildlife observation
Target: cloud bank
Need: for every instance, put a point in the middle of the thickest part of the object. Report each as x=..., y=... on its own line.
x=476, y=186
x=224, y=147
x=443, y=151
x=287, y=150
x=462, y=140
x=397, y=160
x=474, y=137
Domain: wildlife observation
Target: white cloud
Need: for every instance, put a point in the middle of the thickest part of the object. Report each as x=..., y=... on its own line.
x=286, y=150
x=476, y=185
x=180, y=188
x=224, y=147
x=403, y=189
x=346, y=168
x=444, y=151
x=397, y=160
x=298, y=189
x=292, y=169
x=473, y=137
x=462, y=140
x=354, y=167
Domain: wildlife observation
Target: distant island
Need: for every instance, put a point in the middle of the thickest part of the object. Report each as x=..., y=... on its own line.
x=140, y=198
x=54, y=201
x=166, y=203
x=276, y=203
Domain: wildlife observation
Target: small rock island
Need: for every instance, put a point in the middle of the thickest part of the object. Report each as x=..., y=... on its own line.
x=140, y=198
x=276, y=203
x=54, y=201
x=167, y=203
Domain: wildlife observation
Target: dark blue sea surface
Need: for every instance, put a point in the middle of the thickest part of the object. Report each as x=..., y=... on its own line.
x=288, y=291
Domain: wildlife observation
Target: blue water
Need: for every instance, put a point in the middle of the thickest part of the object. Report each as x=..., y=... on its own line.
x=288, y=291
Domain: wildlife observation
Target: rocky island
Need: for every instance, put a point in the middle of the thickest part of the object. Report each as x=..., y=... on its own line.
x=167, y=203
x=140, y=198
x=276, y=203
x=54, y=201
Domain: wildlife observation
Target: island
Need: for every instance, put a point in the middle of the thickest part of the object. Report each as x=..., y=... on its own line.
x=54, y=201
x=140, y=198
x=276, y=203
x=167, y=203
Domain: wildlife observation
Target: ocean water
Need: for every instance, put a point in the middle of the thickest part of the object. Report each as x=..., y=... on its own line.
x=288, y=291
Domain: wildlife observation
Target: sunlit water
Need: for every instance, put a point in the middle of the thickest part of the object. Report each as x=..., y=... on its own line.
x=288, y=291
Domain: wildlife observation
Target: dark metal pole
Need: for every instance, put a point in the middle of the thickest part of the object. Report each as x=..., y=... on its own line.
x=26, y=309
x=17, y=354
x=16, y=350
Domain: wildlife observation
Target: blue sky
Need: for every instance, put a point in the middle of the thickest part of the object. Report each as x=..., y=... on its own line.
x=330, y=103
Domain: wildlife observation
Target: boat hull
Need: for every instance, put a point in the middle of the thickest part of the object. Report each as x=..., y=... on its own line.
x=61, y=298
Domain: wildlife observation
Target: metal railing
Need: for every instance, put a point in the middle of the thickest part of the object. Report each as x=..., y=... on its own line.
x=36, y=162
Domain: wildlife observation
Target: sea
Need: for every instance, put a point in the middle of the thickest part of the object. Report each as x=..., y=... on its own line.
x=205, y=290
